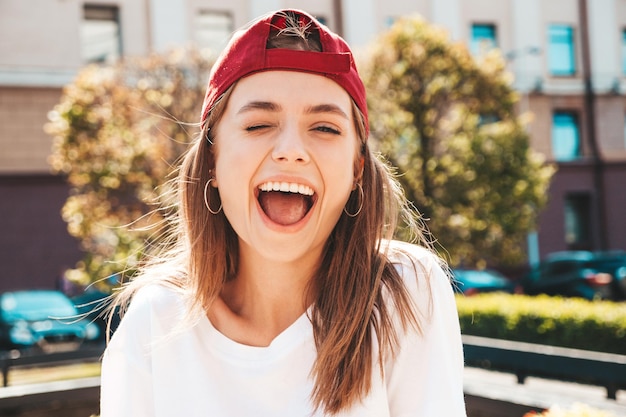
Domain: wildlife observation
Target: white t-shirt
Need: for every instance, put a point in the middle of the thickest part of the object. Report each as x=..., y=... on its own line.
x=154, y=367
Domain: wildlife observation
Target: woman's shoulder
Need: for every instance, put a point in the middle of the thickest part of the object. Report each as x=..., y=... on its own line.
x=157, y=294
x=155, y=302
x=153, y=311
x=415, y=257
x=424, y=273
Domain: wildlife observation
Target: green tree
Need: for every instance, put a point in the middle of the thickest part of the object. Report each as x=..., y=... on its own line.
x=118, y=131
x=448, y=122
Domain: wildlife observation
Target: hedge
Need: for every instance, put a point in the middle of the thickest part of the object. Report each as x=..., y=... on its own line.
x=568, y=322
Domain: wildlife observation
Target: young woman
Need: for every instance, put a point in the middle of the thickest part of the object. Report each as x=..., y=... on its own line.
x=283, y=293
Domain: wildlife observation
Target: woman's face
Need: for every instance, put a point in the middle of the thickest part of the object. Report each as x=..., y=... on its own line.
x=285, y=151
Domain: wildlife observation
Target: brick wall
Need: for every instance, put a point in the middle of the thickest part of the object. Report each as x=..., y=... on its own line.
x=24, y=146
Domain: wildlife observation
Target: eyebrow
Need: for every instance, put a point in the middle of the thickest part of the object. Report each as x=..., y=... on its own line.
x=259, y=105
x=327, y=108
x=274, y=107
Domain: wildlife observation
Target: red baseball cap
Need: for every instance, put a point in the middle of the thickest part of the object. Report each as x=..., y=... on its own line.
x=246, y=53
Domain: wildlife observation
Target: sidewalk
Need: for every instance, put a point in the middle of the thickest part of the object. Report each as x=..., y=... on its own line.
x=65, y=398
x=537, y=393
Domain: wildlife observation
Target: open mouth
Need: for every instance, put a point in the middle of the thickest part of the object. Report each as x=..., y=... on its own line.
x=285, y=203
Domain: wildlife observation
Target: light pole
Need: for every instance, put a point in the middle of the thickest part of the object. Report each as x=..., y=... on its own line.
x=590, y=115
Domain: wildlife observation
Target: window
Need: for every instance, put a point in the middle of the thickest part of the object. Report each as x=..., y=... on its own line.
x=565, y=136
x=322, y=20
x=577, y=214
x=100, y=34
x=213, y=29
x=483, y=38
x=561, y=58
x=488, y=118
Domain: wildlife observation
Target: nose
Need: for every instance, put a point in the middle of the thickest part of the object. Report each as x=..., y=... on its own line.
x=290, y=147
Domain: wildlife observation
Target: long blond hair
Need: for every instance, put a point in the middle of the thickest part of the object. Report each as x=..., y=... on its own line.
x=359, y=297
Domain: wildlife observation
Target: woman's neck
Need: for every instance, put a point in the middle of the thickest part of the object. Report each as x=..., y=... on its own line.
x=264, y=299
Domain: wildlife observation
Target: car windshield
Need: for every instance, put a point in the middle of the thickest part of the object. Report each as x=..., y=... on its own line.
x=479, y=277
x=36, y=305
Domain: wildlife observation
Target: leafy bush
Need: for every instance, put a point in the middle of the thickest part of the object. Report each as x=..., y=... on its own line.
x=568, y=322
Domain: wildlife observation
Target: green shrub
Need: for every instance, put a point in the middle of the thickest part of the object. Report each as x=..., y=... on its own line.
x=568, y=322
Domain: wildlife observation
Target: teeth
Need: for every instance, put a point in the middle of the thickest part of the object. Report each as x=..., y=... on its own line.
x=286, y=187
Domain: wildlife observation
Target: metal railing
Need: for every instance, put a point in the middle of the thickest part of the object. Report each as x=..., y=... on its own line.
x=528, y=359
x=15, y=359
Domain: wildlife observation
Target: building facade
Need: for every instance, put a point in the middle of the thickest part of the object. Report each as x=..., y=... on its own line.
x=568, y=58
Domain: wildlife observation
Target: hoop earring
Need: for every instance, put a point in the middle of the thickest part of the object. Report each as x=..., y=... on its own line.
x=362, y=198
x=206, y=198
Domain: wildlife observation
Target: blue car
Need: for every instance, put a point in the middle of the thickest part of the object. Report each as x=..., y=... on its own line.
x=474, y=281
x=590, y=275
x=44, y=320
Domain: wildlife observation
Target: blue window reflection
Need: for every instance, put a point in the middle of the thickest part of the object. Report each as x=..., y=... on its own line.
x=483, y=38
x=561, y=58
x=565, y=137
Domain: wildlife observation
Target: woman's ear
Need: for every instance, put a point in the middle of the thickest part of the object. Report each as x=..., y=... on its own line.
x=213, y=178
x=358, y=170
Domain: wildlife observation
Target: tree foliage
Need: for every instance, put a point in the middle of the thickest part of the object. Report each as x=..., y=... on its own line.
x=448, y=122
x=118, y=131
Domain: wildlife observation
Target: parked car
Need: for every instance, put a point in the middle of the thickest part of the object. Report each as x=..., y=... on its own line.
x=473, y=281
x=590, y=275
x=93, y=305
x=45, y=320
x=613, y=263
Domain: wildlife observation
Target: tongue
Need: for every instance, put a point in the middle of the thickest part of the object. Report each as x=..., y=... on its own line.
x=284, y=208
